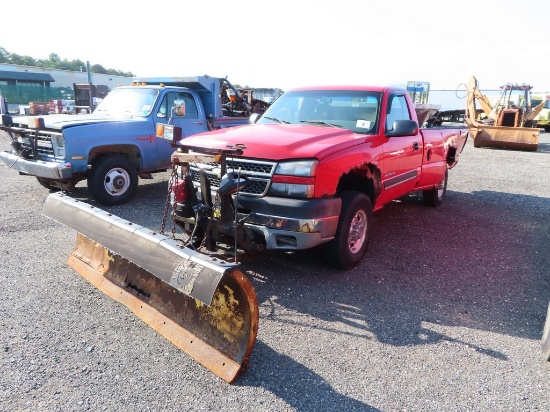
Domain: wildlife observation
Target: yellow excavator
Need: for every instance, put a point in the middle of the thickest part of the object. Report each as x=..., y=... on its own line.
x=508, y=123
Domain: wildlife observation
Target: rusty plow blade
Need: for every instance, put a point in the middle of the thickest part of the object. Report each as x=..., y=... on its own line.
x=205, y=306
x=519, y=138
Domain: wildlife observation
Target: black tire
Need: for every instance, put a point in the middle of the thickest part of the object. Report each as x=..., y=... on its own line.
x=434, y=197
x=113, y=180
x=45, y=182
x=355, y=228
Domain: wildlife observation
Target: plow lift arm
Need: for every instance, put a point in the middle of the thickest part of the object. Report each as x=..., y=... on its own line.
x=202, y=304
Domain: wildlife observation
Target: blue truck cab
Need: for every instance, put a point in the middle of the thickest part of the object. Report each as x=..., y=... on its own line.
x=116, y=145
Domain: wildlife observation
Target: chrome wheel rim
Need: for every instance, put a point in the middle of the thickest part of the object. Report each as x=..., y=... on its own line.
x=357, y=231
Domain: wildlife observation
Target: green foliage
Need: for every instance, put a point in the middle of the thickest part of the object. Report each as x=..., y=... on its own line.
x=54, y=62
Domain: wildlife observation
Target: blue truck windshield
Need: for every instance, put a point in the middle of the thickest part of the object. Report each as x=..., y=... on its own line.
x=131, y=101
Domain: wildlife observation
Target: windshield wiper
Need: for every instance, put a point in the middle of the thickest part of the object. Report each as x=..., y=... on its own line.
x=276, y=119
x=320, y=122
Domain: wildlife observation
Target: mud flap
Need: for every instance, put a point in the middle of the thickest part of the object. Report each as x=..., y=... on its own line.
x=203, y=305
x=519, y=138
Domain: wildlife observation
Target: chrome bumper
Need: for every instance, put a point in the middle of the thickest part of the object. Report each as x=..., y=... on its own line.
x=292, y=224
x=40, y=168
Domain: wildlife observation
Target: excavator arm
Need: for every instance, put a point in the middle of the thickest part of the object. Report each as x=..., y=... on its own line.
x=473, y=95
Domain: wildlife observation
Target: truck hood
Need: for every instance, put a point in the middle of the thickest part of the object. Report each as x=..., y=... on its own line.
x=279, y=141
x=62, y=121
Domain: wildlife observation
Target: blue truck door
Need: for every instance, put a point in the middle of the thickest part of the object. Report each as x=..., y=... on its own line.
x=193, y=121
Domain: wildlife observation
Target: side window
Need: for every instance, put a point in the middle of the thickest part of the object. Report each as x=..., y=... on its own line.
x=170, y=99
x=163, y=108
x=397, y=110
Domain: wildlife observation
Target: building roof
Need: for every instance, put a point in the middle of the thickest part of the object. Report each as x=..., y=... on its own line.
x=25, y=76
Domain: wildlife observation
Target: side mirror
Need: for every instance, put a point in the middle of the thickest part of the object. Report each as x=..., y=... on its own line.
x=178, y=109
x=403, y=128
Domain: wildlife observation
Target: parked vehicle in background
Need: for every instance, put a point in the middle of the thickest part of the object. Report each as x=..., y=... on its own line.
x=507, y=121
x=543, y=118
x=116, y=145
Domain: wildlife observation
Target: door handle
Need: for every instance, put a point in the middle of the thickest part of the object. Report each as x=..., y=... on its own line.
x=415, y=146
x=197, y=122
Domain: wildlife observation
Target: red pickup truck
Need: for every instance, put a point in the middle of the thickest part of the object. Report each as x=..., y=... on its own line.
x=307, y=173
x=314, y=167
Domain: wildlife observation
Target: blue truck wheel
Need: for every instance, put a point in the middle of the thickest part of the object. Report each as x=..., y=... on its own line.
x=113, y=180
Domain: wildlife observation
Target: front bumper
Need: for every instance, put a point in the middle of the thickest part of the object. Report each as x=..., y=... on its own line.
x=40, y=168
x=291, y=224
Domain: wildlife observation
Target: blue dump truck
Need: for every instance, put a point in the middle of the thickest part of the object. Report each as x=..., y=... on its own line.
x=116, y=145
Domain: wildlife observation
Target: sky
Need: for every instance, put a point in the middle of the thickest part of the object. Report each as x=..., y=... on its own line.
x=292, y=43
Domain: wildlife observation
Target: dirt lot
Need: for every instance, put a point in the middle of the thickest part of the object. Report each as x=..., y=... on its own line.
x=445, y=313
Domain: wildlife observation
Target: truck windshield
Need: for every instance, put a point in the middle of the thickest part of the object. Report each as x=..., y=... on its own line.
x=349, y=109
x=128, y=101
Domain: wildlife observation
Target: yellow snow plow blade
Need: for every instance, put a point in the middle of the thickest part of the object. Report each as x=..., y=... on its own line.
x=520, y=138
x=205, y=306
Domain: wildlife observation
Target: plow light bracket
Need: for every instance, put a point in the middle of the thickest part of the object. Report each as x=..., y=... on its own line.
x=169, y=132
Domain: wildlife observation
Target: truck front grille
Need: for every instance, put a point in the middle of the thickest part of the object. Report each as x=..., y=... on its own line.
x=44, y=147
x=258, y=173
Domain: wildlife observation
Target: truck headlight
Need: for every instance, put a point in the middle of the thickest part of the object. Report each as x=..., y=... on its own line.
x=291, y=190
x=304, y=168
x=59, y=140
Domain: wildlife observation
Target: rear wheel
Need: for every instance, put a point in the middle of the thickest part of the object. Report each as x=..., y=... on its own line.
x=113, y=180
x=354, y=231
x=434, y=197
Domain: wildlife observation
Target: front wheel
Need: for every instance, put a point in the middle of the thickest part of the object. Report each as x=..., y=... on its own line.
x=113, y=180
x=434, y=196
x=355, y=228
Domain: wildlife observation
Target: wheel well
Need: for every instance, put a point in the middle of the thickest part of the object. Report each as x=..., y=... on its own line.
x=451, y=155
x=132, y=153
x=365, y=178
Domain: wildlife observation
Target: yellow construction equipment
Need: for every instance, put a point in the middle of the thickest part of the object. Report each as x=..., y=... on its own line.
x=203, y=305
x=508, y=123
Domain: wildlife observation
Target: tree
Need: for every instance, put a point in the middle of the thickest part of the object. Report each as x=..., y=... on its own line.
x=4, y=55
x=98, y=68
x=22, y=60
x=54, y=58
x=54, y=61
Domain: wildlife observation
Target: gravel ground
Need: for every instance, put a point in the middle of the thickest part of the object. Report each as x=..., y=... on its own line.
x=445, y=313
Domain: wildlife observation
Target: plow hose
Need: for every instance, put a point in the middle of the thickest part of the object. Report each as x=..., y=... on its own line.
x=204, y=306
